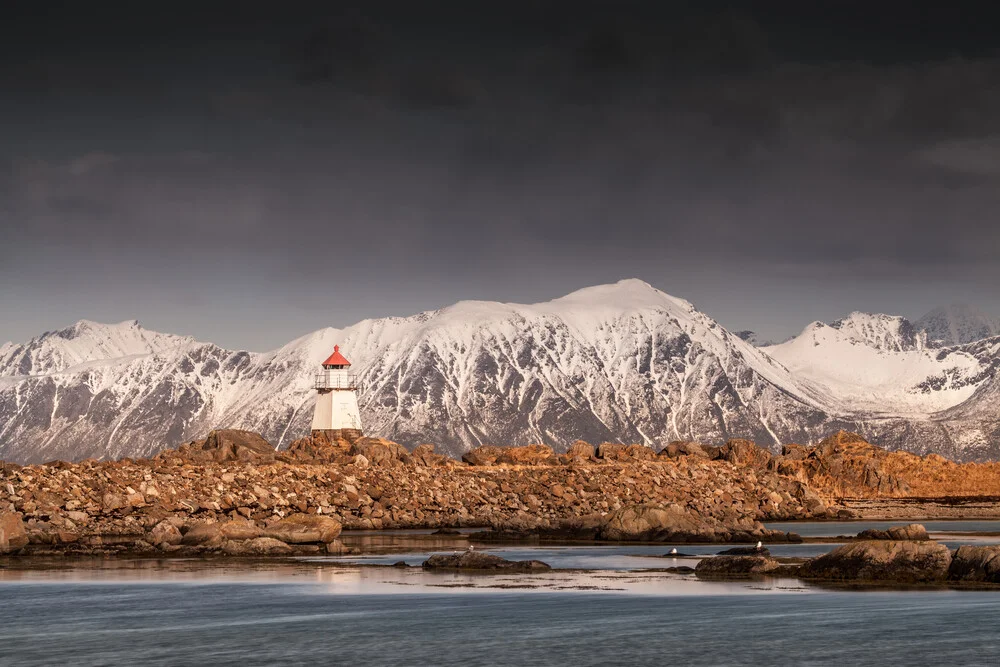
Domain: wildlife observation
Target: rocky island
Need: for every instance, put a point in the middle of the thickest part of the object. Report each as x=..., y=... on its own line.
x=233, y=494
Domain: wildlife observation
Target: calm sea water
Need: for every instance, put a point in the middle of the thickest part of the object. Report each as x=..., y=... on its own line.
x=613, y=608
x=296, y=624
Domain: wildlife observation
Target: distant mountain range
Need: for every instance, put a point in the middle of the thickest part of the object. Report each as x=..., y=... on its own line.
x=622, y=362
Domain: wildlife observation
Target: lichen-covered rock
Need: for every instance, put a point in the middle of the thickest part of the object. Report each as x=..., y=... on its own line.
x=882, y=561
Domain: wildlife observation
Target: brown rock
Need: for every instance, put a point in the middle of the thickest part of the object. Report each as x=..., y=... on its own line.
x=892, y=561
x=745, y=453
x=530, y=455
x=304, y=529
x=975, y=564
x=486, y=455
x=378, y=451
x=479, y=561
x=913, y=531
x=581, y=449
x=165, y=532
x=610, y=451
x=13, y=535
x=736, y=566
x=224, y=445
x=259, y=546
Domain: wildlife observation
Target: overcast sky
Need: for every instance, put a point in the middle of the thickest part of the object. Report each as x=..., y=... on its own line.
x=246, y=174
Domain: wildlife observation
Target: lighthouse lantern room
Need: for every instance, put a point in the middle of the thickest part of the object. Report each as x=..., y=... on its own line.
x=337, y=415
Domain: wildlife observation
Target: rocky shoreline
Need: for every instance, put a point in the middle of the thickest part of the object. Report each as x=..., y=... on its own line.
x=234, y=481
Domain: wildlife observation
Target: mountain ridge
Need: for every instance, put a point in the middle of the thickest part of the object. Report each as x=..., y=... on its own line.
x=623, y=362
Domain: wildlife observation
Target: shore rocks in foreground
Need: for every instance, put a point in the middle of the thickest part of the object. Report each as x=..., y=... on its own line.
x=477, y=561
x=882, y=561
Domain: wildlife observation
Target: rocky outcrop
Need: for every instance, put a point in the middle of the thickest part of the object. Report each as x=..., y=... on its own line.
x=477, y=561
x=683, y=448
x=13, y=535
x=528, y=455
x=652, y=522
x=882, y=561
x=379, y=451
x=736, y=566
x=913, y=531
x=259, y=546
x=974, y=564
x=610, y=451
x=304, y=529
x=224, y=445
x=745, y=453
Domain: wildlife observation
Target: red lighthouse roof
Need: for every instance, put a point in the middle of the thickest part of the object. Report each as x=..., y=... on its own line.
x=336, y=359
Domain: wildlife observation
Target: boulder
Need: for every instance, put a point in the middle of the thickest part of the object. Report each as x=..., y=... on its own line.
x=654, y=523
x=610, y=451
x=581, y=449
x=486, y=455
x=882, y=560
x=215, y=534
x=736, y=566
x=230, y=444
x=165, y=532
x=680, y=448
x=305, y=529
x=13, y=535
x=529, y=455
x=975, y=564
x=482, y=562
x=259, y=546
x=745, y=453
x=424, y=455
x=379, y=451
x=913, y=531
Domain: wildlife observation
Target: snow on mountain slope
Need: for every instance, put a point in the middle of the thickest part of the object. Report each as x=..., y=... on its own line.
x=958, y=324
x=880, y=365
x=622, y=362
x=615, y=362
x=84, y=342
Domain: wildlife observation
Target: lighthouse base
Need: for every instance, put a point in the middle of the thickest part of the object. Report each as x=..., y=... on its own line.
x=333, y=434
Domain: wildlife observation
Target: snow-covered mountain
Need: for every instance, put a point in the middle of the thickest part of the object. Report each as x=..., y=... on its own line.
x=958, y=324
x=622, y=362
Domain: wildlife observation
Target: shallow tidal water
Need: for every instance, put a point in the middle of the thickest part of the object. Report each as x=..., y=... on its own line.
x=611, y=605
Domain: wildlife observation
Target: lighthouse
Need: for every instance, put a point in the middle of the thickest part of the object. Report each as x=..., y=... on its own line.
x=336, y=415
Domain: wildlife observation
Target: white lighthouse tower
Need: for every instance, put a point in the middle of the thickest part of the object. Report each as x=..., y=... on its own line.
x=337, y=415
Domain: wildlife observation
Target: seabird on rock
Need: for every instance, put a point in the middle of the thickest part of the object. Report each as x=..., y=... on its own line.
x=760, y=545
x=674, y=550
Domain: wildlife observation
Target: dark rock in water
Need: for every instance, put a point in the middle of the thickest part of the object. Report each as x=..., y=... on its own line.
x=736, y=566
x=478, y=561
x=680, y=555
x=975, y=564
x=746, y=551
x=681, y=569
x=400, y=563
x=447, y=531
x=914, y=531
x=882, y=560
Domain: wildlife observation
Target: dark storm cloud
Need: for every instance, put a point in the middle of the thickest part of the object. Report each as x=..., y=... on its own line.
x=495, y=151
